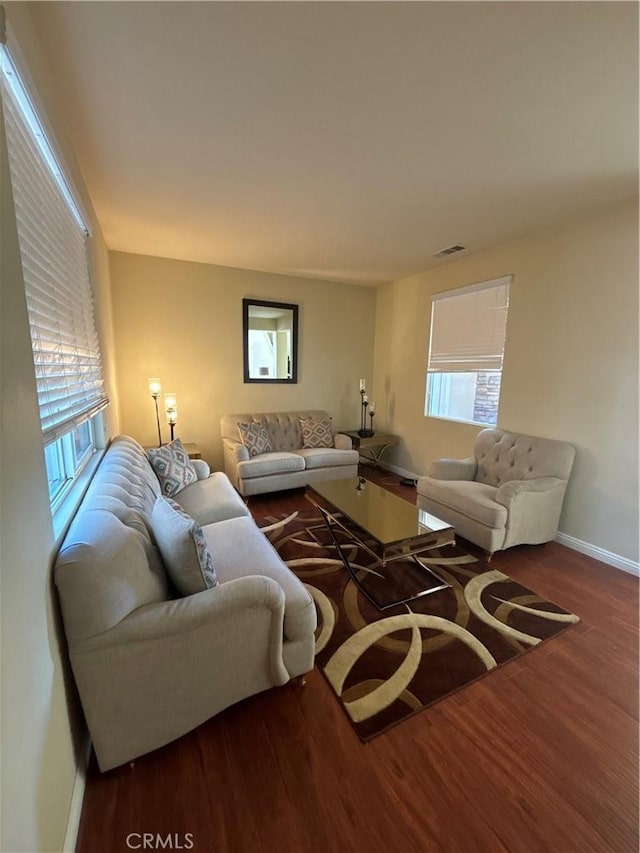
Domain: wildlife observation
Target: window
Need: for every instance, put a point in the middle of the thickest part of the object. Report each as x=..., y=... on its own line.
x=52, y=238
x=466, y=347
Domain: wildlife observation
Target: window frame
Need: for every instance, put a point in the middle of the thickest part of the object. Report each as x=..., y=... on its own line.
x=437, y=403
x=70, y=462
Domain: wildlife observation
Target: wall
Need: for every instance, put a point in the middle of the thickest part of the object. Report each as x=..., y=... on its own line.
x=40, y=728
x=570, y=369
x=182, y=322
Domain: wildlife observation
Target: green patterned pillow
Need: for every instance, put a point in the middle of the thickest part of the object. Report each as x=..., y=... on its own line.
x=183, y=546
x=173, y=467
x=255, y=438
x=316, y=433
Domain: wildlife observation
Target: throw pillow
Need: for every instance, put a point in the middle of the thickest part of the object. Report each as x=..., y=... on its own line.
x=172, y=466
x=255, y=438
x=183, y=547
x=316, y=433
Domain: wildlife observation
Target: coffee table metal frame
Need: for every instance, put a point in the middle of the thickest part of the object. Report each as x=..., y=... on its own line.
x=402, y=549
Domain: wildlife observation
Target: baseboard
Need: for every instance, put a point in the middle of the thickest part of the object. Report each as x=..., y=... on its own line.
x=395, y=469
x=75, y=809
x=608, y=557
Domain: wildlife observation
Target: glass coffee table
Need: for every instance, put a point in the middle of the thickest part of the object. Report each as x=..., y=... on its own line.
x=391, y=531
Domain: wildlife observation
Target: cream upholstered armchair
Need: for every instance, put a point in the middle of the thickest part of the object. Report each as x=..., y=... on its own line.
x=509, y=492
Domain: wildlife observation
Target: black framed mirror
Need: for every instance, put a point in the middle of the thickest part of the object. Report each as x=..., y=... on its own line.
x=269, y=341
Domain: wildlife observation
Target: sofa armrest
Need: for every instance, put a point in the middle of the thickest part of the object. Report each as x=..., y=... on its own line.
x=342, y=441
x=454, y=469
x=508, y=492
x=534, y=508
x=168, y=667
x=234, y=453
x=165, y=619
x=201, y=468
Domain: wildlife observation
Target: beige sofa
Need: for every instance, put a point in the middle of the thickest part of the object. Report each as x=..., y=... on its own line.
x=151, y=666
x=288, y=465
x=510, y=492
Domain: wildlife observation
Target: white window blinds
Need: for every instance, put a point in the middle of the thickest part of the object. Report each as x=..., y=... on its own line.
x=55, y=269
x=468, y=328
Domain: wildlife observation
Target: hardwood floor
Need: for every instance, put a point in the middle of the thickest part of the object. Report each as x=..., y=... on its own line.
x=541, y=755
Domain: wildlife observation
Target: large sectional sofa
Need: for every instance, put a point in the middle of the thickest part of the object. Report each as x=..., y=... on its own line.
x=288, y=465
x=149, y=665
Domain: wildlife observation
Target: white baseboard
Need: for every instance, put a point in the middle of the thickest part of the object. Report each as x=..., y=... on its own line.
x=608, y=557
x=77, y=797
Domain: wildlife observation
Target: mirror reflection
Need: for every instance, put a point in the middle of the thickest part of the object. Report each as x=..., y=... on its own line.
x=270, y=341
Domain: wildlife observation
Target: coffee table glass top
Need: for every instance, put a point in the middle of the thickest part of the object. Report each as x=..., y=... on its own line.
x=388, y=518
x=391, y=530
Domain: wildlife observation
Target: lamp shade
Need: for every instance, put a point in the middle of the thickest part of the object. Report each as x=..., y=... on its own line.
x=170, y=401
x=155, y=387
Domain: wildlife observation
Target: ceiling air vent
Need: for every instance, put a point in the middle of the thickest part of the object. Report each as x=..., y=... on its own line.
x=450, y=250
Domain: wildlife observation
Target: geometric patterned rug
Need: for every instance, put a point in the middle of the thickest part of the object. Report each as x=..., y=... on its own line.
x=386, y=666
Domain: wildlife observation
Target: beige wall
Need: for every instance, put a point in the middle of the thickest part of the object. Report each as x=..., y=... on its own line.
x=570, y=370
x=40, y=731
x=182, y=322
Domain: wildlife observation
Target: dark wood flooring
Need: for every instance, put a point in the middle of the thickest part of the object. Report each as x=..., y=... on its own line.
x=541, y=755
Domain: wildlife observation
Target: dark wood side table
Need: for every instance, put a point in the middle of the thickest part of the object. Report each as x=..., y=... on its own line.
x=372, y=447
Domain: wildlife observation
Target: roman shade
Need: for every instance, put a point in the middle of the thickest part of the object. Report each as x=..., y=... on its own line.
x=468, y=328
x=51, y=236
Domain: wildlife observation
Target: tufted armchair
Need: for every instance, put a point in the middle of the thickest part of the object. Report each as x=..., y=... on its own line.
x=509, y=492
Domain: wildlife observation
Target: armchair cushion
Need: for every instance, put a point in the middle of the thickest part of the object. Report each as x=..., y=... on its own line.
x=172, y=466
x=474, y=500
x=183, y=547
x=316, y=432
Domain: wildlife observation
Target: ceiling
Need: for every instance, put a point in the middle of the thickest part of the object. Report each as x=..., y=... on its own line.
x=344, y=140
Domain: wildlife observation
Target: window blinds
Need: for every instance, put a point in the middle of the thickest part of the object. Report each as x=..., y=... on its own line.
x=55, y=269
x=468, y=328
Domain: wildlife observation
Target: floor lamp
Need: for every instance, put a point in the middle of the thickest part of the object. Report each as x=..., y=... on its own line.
x=171, y=408
x=155, y=388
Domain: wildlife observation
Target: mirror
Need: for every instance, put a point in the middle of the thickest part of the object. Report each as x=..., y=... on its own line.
x=270, y=341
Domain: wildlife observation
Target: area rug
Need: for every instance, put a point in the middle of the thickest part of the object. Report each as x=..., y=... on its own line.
x=385, y=666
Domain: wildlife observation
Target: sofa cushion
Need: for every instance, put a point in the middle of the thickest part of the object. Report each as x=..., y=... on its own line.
x=213, y=499
x=241, y=549
x=173, y=467
x=316, y=432
x=327, y=457
x=475, y=500
x=270, y=463
x=183, y=547
x=255, y=438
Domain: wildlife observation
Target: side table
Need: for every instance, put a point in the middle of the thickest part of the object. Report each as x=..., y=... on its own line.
x=372, y=447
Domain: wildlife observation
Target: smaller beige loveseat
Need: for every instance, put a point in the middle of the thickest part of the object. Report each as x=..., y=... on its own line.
x=288, y=465
x=509, y=492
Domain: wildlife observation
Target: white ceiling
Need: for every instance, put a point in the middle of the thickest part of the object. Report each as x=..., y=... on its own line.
x=345, y=140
